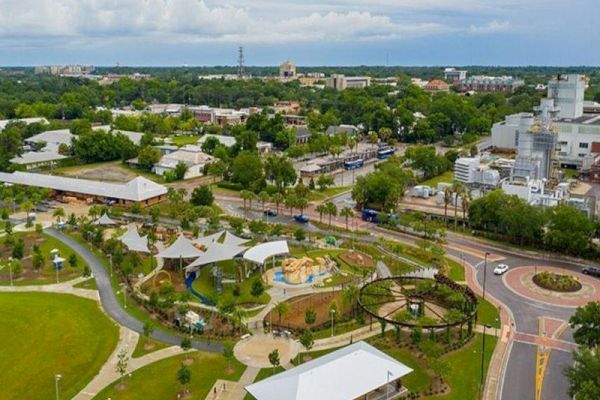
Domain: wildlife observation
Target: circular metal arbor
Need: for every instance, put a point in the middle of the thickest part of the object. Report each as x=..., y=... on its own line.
x=411, y=301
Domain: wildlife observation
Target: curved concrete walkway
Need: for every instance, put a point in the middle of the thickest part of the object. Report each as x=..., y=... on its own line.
x=109, y=301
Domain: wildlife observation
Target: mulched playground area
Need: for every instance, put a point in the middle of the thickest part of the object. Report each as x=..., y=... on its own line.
x=357, y=259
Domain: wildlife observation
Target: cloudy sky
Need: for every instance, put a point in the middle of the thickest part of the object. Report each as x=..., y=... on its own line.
x=310, y=32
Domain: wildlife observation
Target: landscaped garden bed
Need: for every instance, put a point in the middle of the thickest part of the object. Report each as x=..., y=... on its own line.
x=557, y=282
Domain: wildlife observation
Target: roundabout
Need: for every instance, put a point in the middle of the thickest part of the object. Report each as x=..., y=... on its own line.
x=520, y=281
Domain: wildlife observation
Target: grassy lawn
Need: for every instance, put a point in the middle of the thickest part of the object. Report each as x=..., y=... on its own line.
x=159, y=380
x=204, y=285
x=456, y=271
x=182, y=140
x=153, y=345
x=417, y=380
x=446, y=177
x=487, y=313
x=47, y=274
x=465, y=367
x=89, y=284
x=340, y=328
x=327, y=193
x=47, y=334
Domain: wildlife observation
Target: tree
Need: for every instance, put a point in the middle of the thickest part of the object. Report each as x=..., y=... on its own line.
x=331, y=210
x=321, y=209
x=281, y=308
x=569, y=230
x=122, y=364
x=59, y=214
x=447, y=201
x=180, y=170
x=299, y=234
x=350, y=296
x=458, y=189
x=147, y=157
x=584, y=375
x=18, y=250
x=310, y=316
x=277, y=198
x=72, y=260
x=154, y=212
x=37, y=260
x=186, y=344
x=246, y=195
x=147, y=329
x=202, y=196
x=274, y=359
x=307, y=339
x=257, y=288
x=586, y=325
x=263, y=197
x=184, y=377
x=347, y=213
x=324, y=181
x=228, y=354
x=247, y=170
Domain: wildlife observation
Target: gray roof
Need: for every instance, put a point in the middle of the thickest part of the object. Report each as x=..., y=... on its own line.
x=27, y=121
x=302, y=131
x=226, y=141
x=59, y=136
x=135, y=137
x=134, y=241
x=337, y=129
x=34, y=157
x=347, y=373
x=181, y=248
x=137, y=189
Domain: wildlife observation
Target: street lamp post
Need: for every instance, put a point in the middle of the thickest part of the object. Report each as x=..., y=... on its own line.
x=57, y=272
x=10, y=263
x=57, y=378
x=332, y=312
x=485, y=272
x=111, y=264
x=387, y=385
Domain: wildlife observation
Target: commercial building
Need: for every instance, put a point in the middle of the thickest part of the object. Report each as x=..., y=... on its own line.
x=357, y=371
x=436, y=85
x=137, y=191
x=190, y=155
x=287, y=70
x=64, y=69
x=454, y=75
x=470, y=172
x=342, y=82
x=482, y=83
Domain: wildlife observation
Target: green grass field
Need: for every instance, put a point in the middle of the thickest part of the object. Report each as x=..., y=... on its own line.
x=327, y=193
x=89, y=284
x=158, y=381
x=487, y=313
x=456, y=271
x=204, y=285
x=45, y=334
x=184, y=139
x=446, y=177
x=140, y=349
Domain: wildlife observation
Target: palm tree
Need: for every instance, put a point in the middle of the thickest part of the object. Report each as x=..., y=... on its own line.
x=385, y=134
x=465, y=199
x=331, y=210
x=58, y=214
x=372, y=136
x=93, y=211
x=290, y=203
x=281, y=308
x=447, y=200
x=245, y=195
x=277, y=199
x=350, y=296
x=347, y=212
x=458, y=190
x=301, y=203
x=263, y=197
x=321, y=209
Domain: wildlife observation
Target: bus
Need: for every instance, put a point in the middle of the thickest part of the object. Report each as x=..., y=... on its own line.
x=371, y=215
x=385, y=153
x=354, y=164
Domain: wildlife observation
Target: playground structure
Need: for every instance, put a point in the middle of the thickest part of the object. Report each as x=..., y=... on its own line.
x=303, y=270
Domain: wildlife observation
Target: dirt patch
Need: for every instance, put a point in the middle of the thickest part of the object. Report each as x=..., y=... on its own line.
x=105, y=172
x=319, y=302
x=357, y=259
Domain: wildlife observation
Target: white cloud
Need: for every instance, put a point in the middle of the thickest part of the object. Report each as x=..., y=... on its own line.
x=491, y=27
x=236, y=21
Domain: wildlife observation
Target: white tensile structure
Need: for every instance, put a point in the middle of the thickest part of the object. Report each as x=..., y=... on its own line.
x=181, y=248
x=357, y=371
x=262, y=252
x=134, y=241
x=105, y=220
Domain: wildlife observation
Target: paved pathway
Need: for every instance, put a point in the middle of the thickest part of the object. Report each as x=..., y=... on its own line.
x=230, y=390
x=109, y=301
x=66, y=287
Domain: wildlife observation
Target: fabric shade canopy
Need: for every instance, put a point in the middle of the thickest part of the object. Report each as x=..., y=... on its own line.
x=216, y=252
x=181, y=248
x=105, y=220
x=134, y=241
x=260, y=253
x=233, y=240
x=206, y=241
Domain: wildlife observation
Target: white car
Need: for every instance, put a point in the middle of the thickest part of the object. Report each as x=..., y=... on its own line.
x=500, y=269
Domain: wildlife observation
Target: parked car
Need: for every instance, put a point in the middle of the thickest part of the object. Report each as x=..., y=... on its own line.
x=270, y=213
x=303, y=219
x=500, y=269
x=592, y=271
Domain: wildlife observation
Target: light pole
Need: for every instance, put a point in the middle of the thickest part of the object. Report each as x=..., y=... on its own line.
x=10, y=263
x=332, y=312
x=387, y=385
x=57, y=378
x=57, y=267
x=111, y=264
x=485, y=272
x=123, y=288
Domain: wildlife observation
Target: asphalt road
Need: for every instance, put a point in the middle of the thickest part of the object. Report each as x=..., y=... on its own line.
x=109, y=301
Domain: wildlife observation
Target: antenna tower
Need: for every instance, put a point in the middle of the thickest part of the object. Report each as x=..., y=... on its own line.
x=241, y=60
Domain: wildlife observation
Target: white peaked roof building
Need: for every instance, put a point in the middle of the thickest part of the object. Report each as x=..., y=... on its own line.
x=138, y=189
x=134, y=241
x=181, y=248
x=105, y=220
x=260, y=253
x=354, y=372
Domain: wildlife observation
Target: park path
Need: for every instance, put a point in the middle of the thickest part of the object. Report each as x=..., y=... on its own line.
x=232, y=390
x=66, y=287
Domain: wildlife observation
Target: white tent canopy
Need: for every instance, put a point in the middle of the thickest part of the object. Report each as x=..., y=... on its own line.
x=105, y=220
x=134, y=241
x=216, y=252
x=260, y=253
x=349, y=373
x=181, y=248
x=206, y=241
x=233, y=240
